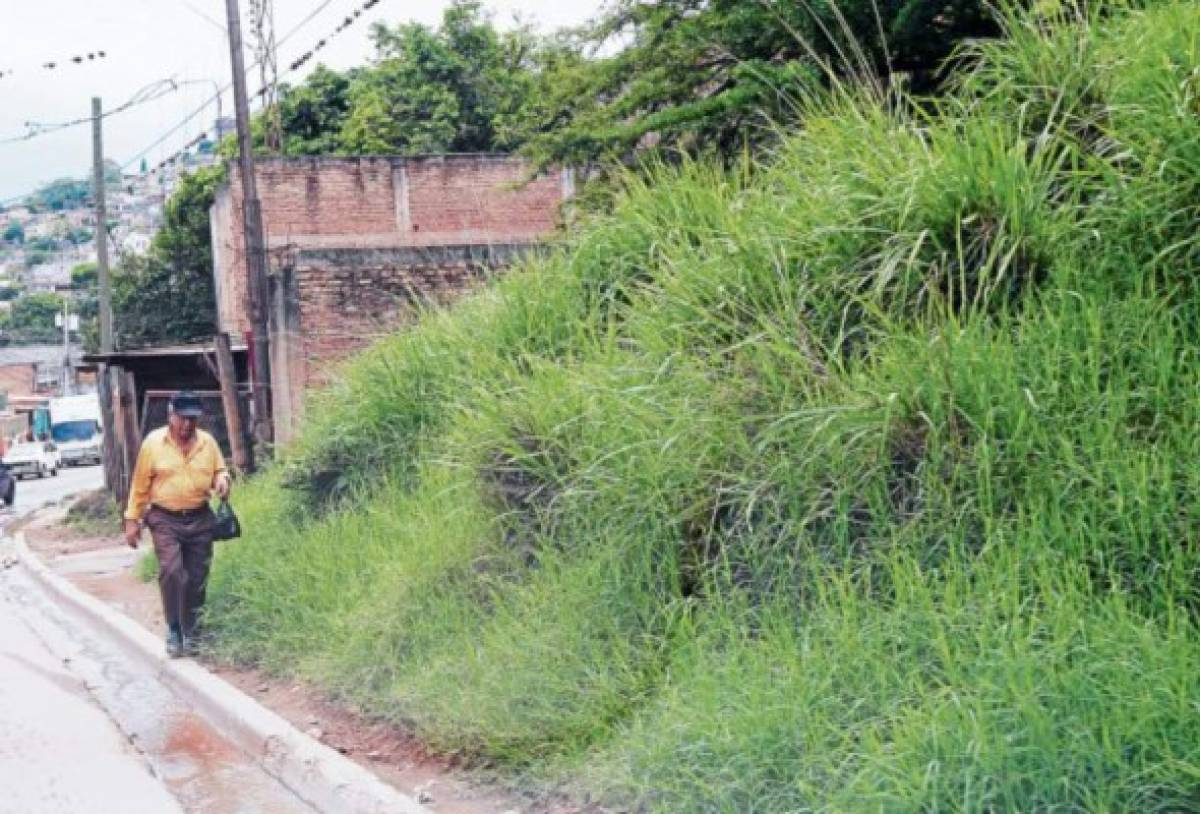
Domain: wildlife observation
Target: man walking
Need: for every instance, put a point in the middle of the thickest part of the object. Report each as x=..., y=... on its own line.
x=178, y=468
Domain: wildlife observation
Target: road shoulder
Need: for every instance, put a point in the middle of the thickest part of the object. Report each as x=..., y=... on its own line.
x=102, y=567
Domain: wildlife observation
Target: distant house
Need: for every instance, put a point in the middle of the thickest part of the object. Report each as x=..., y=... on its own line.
x=135, y=243
x=355, y=244
x=37, y=370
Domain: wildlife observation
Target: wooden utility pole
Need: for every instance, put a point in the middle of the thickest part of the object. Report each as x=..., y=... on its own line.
x=256, y=256
x=227, y=372
x=106, y=326
x=112, y=455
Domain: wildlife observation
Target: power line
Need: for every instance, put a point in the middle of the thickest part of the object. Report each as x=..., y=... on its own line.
x=50, y=65
x=366, y=6
x=149, y=93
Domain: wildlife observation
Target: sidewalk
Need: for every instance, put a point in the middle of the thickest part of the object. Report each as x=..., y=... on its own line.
x=107, y=570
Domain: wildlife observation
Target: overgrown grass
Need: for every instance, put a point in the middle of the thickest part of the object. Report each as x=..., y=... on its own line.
x=859, y=480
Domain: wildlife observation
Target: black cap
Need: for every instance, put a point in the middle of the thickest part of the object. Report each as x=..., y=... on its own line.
x=187, y=404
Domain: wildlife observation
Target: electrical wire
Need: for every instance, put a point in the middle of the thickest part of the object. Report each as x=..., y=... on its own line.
x=149, y=93
x=51, y=65
x=367, y=5
x=40, y=130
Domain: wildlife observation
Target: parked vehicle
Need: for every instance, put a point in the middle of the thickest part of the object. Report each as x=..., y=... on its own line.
x=32, y=458
x=75, y=429
x=8, y=486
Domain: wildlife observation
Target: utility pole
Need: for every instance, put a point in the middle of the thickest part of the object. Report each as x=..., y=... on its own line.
x=113, y=478
x=106, y=326
x=65, y=317
x=256, y=258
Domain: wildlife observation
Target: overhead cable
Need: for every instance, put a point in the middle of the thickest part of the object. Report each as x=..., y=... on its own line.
x=53, y=64
x=365, y=6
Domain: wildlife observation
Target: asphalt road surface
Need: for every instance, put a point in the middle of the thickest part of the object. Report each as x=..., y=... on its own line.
x=84, y=729
x=34, y=493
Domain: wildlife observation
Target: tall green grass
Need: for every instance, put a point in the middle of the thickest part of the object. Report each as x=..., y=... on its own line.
x=860, y=479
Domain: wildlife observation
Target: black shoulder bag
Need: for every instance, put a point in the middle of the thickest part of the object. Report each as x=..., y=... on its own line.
x=226, y=526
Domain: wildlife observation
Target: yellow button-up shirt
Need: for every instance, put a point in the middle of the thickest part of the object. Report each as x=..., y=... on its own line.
x=166, y=477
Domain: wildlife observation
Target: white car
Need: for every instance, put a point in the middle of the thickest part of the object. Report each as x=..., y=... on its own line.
x=32, y=458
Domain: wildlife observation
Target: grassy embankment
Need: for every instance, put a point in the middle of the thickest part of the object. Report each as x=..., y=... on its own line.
x=864, y=479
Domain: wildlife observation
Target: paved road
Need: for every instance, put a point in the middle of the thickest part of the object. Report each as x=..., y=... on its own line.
x=33, y=493
x=82, y=729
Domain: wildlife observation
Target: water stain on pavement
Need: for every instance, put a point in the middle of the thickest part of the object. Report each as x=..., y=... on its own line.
x=191, y=740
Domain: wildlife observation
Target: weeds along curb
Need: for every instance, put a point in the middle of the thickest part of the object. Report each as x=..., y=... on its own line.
x=315, y=773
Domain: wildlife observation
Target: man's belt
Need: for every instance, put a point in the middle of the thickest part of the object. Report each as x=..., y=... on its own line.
x=203, y=507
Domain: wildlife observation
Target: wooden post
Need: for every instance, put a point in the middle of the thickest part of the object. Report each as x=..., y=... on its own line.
x=121, y=476
x=227, y=373
x=112, y=468
x=133, y=438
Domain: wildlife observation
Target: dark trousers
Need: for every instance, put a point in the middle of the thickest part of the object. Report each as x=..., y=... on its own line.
x=184, y=546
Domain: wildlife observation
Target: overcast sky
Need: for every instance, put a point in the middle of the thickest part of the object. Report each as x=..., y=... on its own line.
x=150, y=40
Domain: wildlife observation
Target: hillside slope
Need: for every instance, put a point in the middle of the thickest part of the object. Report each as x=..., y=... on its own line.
x=861, y=480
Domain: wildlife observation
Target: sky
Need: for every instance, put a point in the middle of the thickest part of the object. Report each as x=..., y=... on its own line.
x=147, y=41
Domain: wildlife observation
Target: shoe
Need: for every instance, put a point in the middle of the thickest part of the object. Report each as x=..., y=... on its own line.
x=175, y=645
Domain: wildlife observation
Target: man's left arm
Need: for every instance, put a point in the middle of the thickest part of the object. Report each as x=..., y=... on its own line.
x=220, y=484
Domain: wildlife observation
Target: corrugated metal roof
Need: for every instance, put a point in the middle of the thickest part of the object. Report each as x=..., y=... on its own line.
x=36, y=354
x=158, y=352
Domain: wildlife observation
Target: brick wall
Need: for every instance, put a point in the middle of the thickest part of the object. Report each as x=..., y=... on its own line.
x=18, y=380
x=329, y=303
x=380, y=203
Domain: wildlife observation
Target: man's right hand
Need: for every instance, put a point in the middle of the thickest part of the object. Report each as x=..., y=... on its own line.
x=133, y=533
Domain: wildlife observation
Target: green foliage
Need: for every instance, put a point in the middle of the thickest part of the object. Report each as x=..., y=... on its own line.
x=458, y=87
x=43, y=245
x=79, y=236
x=859, y=480
x=14, y=233
x=686, y=75
x=313, y=113
x=71, y=193
x=84, y=275
x=31, y=319
x=64, y=193
x=698, y=75
x=440, y=90
x=167, y=295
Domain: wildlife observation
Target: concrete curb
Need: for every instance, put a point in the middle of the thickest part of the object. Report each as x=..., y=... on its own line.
x=317, y=774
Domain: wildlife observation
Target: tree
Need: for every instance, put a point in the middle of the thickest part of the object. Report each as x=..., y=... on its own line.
x=710, y=74
x=439, y=90
x=313, y=114
x=80, y=236
x=84, y=276
x=14, y=233
x=43, y=244
x=63, y=193
x=31, y=319
x=167, y=295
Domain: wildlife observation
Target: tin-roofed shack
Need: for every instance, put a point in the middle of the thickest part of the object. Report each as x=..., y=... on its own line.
x=145, y=380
